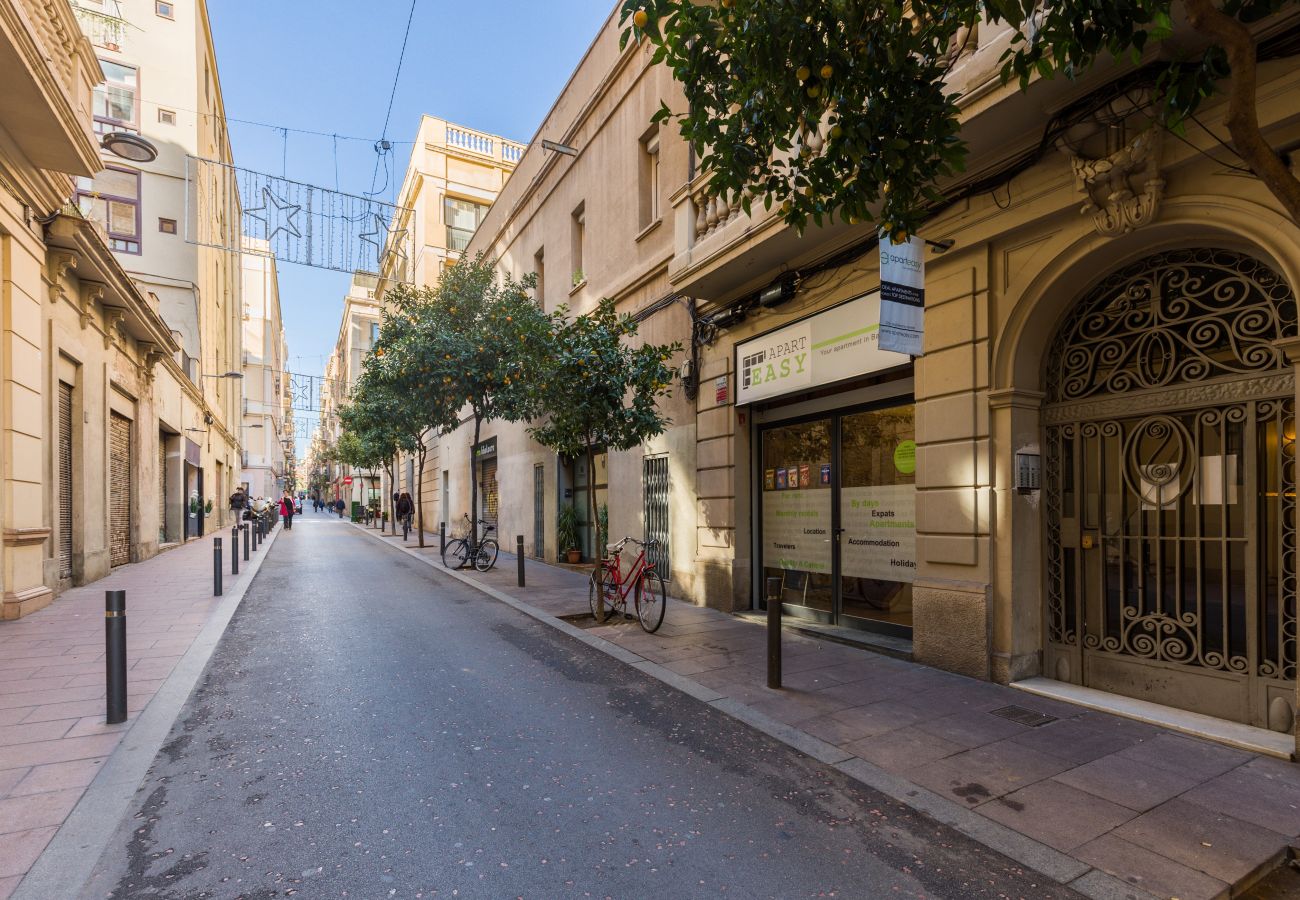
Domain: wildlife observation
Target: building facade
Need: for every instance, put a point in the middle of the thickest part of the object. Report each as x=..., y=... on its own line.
x=1087, y=480
x=161, y=83
x=267, y=423
x=358, y=331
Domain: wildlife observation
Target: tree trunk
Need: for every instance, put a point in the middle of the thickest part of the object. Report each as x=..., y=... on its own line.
x=473, y=489
x=1242, y=116
x=390, y=466
x=419, y=491
x=596, y=551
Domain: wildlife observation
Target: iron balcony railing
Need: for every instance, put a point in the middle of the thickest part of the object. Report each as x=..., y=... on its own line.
x=102, y=22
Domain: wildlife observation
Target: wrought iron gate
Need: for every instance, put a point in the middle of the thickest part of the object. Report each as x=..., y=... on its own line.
x=65, y=481
x=655, y=476
x=1170, y=501
x=539, y=512
x=119, y=507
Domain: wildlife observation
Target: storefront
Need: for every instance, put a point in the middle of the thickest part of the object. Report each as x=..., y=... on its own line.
x=834, y=470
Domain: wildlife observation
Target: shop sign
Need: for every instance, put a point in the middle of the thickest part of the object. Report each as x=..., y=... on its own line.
x=486, y=448
x=720, y=390
x=796, y=526
x=902, y=293
x=834, y=345
x=879, y=532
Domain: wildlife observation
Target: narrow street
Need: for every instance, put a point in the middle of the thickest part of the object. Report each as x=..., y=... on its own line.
x=368, y=728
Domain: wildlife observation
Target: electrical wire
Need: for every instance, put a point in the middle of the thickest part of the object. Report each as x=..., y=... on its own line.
x=383, y=146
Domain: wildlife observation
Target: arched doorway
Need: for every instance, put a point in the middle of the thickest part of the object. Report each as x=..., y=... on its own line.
x=1170, y=483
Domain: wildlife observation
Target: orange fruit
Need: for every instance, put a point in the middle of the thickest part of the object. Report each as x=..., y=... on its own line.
x=803, y=73
x=640, y=18
x=827, y=72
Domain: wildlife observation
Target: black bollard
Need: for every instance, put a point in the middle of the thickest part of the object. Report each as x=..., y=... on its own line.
x=115, y=654
x=234, y=550
x=257, y=533
x=774, y=633
x=519, y=555
x=442, y=537
x=244, y=528
x=216, y=567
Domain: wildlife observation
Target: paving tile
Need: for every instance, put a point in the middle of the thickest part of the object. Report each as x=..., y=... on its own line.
x=695, y=664
x=56, y=777
x=75, y=709
x=972, y=729
x=859, y=693
x=90, y=725
x=27, y=685
x=36, y=810
x=1149, y=871
x=9, y=778
x=903, y=749
x=29, y=732
x=1056, y=814
x=979, y=775
x=877, y=718
x=9, y=885
x=1077, y=740
x=1214, y=843
x=23, y=755
x=1128, y=782
x=1251, y=797
x=1199, y=759
x=796, y=706
x=13, y=716
x=22, y=848
x=38, y=698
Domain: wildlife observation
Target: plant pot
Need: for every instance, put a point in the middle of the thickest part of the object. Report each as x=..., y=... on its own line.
x=573, y=556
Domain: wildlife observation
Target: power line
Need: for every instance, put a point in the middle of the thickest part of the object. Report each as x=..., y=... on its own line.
x=384, y=146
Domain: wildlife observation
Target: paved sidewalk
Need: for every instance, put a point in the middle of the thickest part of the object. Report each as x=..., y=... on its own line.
x=53, y=740
x=1171, y=815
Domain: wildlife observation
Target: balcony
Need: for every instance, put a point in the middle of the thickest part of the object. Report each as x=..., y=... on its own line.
x=505, y=152
x=102, y=22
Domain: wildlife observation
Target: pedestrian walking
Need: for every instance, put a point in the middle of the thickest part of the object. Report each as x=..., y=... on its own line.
x=238, y=503
x=340, y=506
x=287, y=510
x=404, y=508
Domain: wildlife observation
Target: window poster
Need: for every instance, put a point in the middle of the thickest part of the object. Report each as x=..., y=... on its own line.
x=797, y=530
x=781, y=479
x=879, y=532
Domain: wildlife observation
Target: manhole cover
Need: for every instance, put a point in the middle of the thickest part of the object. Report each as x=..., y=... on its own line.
x=1023, y=716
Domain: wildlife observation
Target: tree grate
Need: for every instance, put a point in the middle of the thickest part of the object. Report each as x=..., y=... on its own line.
x=1023, y=716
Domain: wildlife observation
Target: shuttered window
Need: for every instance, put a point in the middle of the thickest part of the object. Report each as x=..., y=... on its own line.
x=655, y=475
x=65, y=480
x=119, y=490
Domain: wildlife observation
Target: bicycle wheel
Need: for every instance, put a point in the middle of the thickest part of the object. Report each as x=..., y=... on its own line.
x=599, y=584
x=486, y=557
x=454, y=552
x=650, y=601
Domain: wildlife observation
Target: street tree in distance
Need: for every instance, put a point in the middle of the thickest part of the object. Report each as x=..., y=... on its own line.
x=478, y=341
x=371, y=437
x=600, y=392
x=756, y=74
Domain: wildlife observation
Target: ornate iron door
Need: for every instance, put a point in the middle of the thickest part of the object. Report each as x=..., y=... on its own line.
x=1170, y=489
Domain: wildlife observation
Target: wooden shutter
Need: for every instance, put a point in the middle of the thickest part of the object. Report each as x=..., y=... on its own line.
x=119, y=506
x=65, y=481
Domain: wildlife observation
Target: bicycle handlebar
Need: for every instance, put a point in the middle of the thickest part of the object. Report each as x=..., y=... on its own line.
x=653, y=542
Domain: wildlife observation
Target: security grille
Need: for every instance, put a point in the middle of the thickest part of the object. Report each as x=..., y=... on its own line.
x=488, y=490
x=655, y=476
x=162, y=488
x=119, y=551
x=65, y=480
x=539, y=512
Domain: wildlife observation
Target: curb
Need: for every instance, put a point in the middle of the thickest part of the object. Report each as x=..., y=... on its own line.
x=67, y=864
x=1052, y=863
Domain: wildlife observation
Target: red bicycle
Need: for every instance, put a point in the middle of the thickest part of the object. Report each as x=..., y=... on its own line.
x=642, y=582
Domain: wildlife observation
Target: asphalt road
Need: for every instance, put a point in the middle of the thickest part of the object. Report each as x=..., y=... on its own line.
x=368, y=728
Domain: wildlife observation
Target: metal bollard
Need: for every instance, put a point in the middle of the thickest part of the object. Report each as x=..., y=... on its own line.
x=774, y=633
x=519, y=555
x=244, y=528
x=115, y=655
x=234, y=550
x=442, y=537
x=216, y=567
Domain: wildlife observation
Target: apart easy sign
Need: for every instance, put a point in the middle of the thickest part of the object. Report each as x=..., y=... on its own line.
x=831, y=346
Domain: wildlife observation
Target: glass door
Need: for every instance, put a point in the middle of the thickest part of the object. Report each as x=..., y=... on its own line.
x=838, y=517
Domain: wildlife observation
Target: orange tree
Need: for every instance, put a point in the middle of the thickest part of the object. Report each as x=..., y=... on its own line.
x=479, y=342
x=600, y=392
x=871, y=72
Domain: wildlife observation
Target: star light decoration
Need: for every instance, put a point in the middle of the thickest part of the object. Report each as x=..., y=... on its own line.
x=282, y=211
x=396, y=235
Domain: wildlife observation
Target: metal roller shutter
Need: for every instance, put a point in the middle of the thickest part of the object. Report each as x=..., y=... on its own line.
x=488, y=490
x=65, y=480
x=655, y=474
x=119, y=505
x=162, y=488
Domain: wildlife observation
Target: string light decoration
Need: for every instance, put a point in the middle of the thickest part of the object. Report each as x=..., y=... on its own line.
x=300, y=223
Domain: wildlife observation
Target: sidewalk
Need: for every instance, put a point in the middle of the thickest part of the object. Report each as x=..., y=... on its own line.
x=1167, y=814
x=53, y=740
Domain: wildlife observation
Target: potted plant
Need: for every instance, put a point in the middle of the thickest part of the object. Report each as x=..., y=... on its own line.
x=207, y=508
x=194, y=507
x=566, y=534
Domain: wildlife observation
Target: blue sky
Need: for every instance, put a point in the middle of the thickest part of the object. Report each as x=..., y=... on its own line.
x=328, y=65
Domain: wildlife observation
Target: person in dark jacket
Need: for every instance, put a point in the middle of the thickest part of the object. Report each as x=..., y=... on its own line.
x=405, y=509
x=340, y=506
x=287, y=509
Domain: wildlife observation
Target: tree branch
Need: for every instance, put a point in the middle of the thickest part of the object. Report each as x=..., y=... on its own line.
x=1241, y=117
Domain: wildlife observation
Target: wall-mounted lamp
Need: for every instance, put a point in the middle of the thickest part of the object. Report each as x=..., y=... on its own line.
x=226, y=375
x=942, y=246
x=559, y=148
x=129, y=146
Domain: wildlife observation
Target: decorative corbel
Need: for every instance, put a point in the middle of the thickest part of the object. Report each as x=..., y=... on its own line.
x=57, y=264
x=113, y=317
x=92, y=292
x=1109, y=184
x=150, y=355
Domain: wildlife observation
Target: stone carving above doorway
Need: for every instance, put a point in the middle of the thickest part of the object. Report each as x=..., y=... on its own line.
x=1124, y=189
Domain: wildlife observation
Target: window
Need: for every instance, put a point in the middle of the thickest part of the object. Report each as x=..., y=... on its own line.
x=539, y=269
x=165, y=9
x=648, y=207
x=463, y=218
x=167, y=226
x=374, y=333
x=115, y=102
x=112, y=199
x=578, y=231
x=166, y=117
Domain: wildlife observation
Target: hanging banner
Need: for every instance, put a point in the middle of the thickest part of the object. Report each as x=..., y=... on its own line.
x=902, y=295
